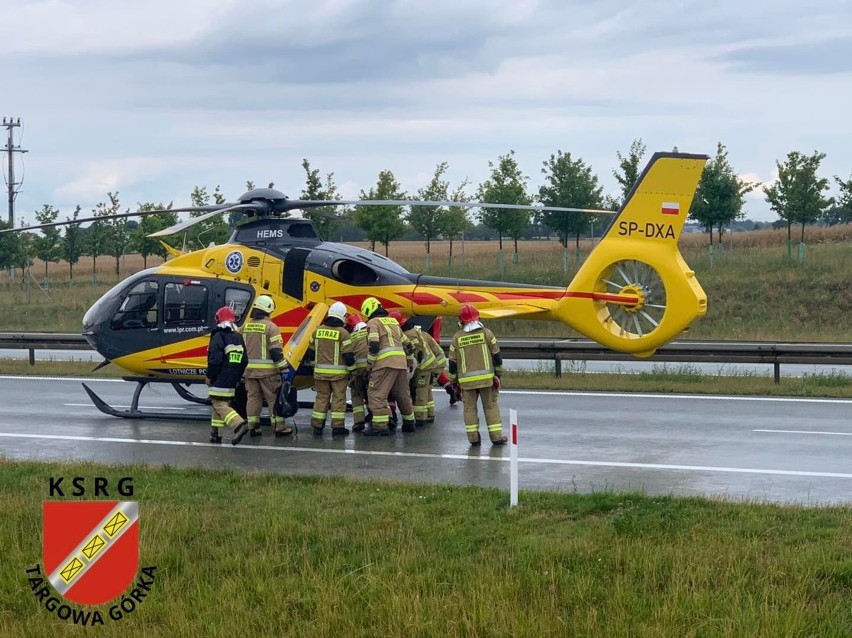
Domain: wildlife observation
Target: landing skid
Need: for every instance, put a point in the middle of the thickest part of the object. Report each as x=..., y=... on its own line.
x=136, y=413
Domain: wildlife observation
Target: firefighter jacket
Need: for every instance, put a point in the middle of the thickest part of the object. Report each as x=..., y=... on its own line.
x=226, y=361
x=440, y=359
x=360, y=348
x=475, y=358
x=332, y=351
x=264, y=348
x=422, y=354
x=388, y=345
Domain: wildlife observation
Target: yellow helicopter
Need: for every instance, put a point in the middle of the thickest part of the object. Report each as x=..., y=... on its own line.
x=632, y=294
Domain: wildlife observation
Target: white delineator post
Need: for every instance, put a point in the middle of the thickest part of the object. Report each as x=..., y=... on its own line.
x=513, y=458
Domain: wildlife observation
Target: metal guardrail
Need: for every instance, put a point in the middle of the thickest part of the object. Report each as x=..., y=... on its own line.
x=559, y=350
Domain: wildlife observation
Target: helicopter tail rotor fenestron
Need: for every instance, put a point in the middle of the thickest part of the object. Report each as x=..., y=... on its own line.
x=635, y=292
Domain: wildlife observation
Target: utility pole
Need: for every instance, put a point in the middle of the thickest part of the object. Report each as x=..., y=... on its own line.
x=11, y=123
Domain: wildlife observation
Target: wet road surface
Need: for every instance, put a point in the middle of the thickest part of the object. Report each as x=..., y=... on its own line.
x=763, y=449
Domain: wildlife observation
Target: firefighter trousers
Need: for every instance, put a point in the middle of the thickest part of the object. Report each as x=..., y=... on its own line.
x=259, y=390
x=422, y=384
x=358, y=390
x=384, y=383
x=329, y=394
x=223, y=414
x=490, y=407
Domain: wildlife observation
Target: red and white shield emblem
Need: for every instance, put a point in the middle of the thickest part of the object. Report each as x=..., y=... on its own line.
x=91, y=548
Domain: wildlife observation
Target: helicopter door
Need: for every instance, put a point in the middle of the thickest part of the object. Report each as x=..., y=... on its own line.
x=185, y=321
x=236, y=296
x=293, y=282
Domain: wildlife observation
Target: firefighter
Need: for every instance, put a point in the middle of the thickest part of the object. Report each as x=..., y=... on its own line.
x=476, y=364
x=389, y=360
x=420, y=382
x=435, y=372
x=226, y=361
x=331, y=350
x=358, y=376
x=266, y=366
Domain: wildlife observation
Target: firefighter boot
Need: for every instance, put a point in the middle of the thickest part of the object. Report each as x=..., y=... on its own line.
x=408, y=425
x=497, y=438
x=215, y=437
x=474, y=439
x=255, y=432
x=340, y=431
x=239, y=433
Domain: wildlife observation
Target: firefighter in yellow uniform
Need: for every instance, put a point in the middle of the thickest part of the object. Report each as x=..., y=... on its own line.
x=358, y=376
x=476, y=364
x=266, y=366
x=420, y=381
x=390, y=358
x=333, y=359
x=435, y=371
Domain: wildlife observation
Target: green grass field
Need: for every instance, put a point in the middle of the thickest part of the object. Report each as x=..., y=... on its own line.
x=264, y=555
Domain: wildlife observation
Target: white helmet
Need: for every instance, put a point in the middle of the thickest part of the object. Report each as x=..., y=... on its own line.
x=337, y=310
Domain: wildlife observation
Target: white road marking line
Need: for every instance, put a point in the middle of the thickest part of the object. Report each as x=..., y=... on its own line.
x=805, y=432
x=708, y=397
x=427, y=455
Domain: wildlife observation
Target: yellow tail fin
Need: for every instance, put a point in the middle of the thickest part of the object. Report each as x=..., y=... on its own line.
x=635, y=292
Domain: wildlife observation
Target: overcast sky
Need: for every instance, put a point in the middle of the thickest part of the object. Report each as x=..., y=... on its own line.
x=153, y=97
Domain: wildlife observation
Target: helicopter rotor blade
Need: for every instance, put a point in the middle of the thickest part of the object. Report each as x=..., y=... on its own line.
x=138, y=213
x=421, y=202
x=197, y=220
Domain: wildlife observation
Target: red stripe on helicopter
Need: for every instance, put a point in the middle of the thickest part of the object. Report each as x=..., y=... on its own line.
x=602, y=296
x=355, y=301
x=292, y=318
x=200, y=351
x=550, y=294
x=464, y=297
x=423, y=298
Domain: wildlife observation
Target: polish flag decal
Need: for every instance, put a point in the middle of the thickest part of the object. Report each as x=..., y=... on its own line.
x=671, y=208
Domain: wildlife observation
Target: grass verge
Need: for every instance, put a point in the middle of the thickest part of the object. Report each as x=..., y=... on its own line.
x=262, y=555
x=664, y=378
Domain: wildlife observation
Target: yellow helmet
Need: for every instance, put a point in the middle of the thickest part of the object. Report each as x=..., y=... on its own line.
x=264, y=303
x=369, y=306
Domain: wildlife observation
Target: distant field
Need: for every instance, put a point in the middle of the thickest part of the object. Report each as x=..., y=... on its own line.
x=754, y=290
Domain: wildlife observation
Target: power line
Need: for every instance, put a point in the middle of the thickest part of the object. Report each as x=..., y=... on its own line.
x=11, y=123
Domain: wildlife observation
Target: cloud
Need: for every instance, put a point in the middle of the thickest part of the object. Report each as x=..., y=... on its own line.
x=832, y=55
x=153, y=98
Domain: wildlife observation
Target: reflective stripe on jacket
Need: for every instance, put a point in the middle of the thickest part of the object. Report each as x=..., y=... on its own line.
x=329, y=345
x=473, y=353
x=261, y=336
x=394, y=347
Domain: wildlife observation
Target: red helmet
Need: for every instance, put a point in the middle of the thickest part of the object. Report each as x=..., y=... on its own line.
x=468, y=313
x=353, y=320
x=396, y=314
x=225, y=313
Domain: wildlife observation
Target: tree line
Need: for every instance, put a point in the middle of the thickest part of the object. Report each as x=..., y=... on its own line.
x=798, y=196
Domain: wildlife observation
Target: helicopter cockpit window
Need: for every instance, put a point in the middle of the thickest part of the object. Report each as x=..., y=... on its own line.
x=302, y=231
x=354, y=272
x=139, y=308
x=238, y=300
x=185, y=304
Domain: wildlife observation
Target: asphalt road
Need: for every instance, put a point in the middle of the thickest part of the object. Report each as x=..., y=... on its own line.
x=761, y=448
